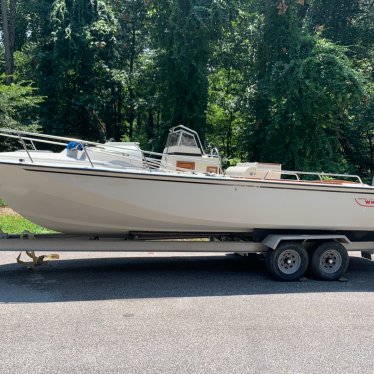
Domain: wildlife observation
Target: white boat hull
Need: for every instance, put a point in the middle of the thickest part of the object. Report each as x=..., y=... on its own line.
x=112, y=203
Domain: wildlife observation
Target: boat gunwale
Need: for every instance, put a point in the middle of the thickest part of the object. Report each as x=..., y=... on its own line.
x=190, y=178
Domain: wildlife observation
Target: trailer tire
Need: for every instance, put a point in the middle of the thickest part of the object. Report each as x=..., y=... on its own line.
x=288, y=262
x=329, y=260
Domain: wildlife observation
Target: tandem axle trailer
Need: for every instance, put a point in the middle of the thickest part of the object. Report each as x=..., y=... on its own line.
x=288, y=256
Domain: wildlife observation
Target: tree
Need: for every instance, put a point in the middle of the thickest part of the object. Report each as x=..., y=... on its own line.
x=74, y=66
x=183, y=34
x=132, y=43
x=8, y=36
x=306, y=86
x=230, y=75
x=287, y=81
x=16, y=104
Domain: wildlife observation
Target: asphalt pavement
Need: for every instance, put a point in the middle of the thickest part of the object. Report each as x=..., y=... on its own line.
x=181, y=313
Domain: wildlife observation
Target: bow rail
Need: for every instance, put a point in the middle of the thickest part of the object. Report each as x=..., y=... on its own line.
x=151, y=163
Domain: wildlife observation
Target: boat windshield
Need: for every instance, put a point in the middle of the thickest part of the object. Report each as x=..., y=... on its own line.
x=182, y=139
x=187, y=140
x=172, y=139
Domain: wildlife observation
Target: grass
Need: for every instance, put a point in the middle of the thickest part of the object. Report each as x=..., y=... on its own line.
x=14, y=224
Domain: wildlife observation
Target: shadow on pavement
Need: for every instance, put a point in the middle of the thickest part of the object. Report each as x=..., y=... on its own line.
x=162, y=277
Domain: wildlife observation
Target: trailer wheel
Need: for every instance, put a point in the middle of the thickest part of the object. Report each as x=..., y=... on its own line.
x=288, y=261
x=329, y=260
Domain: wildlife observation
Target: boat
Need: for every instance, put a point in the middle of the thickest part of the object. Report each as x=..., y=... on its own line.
x=113, y=189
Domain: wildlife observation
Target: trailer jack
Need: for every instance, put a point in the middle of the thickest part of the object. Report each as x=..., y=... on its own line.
x=37, y=260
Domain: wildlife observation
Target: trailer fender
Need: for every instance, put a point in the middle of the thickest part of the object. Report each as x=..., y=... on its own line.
x=272, y=241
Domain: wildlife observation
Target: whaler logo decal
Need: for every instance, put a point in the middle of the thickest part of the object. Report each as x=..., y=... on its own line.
x=365, y=202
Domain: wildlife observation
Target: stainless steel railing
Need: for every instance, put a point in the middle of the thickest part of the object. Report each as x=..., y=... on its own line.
x=147, y=162
x=320, y=175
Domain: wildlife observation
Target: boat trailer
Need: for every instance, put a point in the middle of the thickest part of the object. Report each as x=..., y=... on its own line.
x=287, y=256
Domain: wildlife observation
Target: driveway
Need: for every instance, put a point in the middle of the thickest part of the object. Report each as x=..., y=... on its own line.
x=181, y=313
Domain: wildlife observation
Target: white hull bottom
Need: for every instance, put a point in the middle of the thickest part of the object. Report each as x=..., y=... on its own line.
x=107, y=203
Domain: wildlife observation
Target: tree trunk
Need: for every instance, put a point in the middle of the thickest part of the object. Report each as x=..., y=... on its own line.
x=261, y=103
x=113, y=112
x=138, y=120
x=150, y=125
x=117, y=136
x=229, y=137
x=12, y=29
x=158, y=120
x=8, y=57
x=371, y=153
x=131, y=109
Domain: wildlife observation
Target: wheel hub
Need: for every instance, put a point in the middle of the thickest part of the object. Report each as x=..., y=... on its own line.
x=289, y=261
x=331, y=261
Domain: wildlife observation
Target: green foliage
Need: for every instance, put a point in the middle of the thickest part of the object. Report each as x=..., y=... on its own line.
x=15, y=224
x=306, y=86
x=15, y=101
x=270, y=80
x=184, y=33
x=125, y=138
x=310, y=97
x=73, y=68
x=232, y=93
x=234, y=161
x=16, y=110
